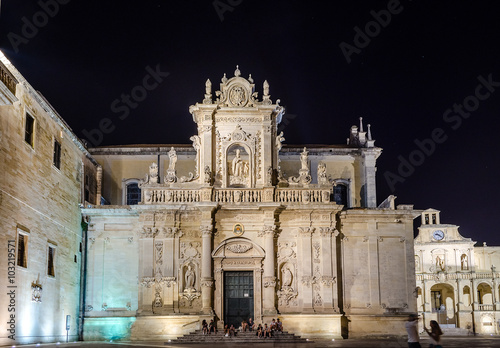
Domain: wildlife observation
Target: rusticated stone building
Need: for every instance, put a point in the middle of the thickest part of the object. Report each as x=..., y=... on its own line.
x=240, y=225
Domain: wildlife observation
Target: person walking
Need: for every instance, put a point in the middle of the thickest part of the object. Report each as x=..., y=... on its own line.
x=412, y=328
x=435, y=334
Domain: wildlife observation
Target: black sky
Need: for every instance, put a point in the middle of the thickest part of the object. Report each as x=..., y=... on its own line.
x=427, y=59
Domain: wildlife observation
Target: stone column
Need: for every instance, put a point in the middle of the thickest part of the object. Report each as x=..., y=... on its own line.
x=269, y=283
x=370, y=159
x=305, y=268
x=328, y=252
x=207, y=281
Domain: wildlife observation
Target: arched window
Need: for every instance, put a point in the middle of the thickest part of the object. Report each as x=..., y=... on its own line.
x=131, y=192
x=339, y=195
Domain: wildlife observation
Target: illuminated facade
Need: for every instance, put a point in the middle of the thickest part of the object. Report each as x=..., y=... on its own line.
x=457, y=283
x=42, y=184
x=239, y=226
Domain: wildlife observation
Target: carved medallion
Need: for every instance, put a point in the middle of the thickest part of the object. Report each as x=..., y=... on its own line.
x=238, y=96
x=238, y=229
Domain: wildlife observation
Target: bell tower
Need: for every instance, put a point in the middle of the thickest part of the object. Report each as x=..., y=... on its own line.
x=237, y=137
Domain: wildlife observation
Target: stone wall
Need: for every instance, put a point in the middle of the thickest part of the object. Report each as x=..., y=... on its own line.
x=42, y=202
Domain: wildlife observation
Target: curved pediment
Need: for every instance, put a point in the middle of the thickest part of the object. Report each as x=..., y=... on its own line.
x=238, y=247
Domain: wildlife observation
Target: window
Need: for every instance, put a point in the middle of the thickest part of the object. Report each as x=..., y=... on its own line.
x=50, y=261
x=133, y=194
x=426, y=219
x=57, y=155
x=340, y=194
x=434, y=219
x=86, y=188
x=22, y=250
x=29, y=130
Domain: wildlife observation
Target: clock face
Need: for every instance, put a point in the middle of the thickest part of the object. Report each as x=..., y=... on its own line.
x=438, y=235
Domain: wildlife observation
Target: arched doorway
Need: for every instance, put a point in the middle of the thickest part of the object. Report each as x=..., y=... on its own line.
x=443, y=304
x=238, y=280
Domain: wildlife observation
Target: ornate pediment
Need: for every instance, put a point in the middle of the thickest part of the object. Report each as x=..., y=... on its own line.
x=239, y=248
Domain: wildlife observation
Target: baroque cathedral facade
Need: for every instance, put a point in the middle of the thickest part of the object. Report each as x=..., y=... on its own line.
x=143, y=242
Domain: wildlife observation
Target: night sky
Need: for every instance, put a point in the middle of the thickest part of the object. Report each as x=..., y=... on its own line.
x=430, y=70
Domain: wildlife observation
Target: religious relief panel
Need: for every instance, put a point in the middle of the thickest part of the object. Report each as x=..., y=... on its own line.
x=287, y=294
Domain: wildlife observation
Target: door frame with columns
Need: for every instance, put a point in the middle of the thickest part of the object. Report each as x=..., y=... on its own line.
x=238, y=254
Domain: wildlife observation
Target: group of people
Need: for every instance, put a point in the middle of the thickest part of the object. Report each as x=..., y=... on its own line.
x=230, y=330
x=268, y=331
x=434, y=333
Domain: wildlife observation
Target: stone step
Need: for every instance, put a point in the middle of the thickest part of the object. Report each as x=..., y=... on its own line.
x=240, y=337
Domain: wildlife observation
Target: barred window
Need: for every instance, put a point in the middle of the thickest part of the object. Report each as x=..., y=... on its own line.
x=22, y=250
x=29, y=129
x=57, y=155
x=50, y=261
x=133, y=194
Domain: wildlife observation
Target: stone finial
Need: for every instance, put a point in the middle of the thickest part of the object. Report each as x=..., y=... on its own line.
x=224, y=78
x=266, y=88
x=208, y=92
x=369, y=132
x=361, y=124
x=250, y=78
x=208, y=87
x=237, y=72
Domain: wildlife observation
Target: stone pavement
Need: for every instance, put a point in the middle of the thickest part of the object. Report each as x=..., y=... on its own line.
x=448, y=342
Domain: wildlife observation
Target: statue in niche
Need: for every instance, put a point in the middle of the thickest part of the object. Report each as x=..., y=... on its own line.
x=189, y=279
x=465, y=262
x=240, y=170
x=287, y=277
x=439, y=263
x=237, y=164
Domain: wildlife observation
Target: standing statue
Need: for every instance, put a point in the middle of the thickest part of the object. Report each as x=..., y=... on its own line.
x=287, y=278
x=172, y=156
x=465, y=262
x=304, y=160
x=237, y=164
x=189, y=278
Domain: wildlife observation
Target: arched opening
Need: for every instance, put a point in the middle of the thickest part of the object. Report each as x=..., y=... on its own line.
x=131, y=192
x=339, y=195
x=420, y=303
x=485, y=297
x=443, y=304
x=464, y=262
x=238, y=166
x=466, y=296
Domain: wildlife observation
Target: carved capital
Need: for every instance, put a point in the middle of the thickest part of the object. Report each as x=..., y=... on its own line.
x=327, y=281
x=149, y=232
x=268, y=230
x=147, y=281
x=171, y=232
x=327, y=231
x=206, y=230
x=306, y=231
x=207, y=283
x=269, y=282
x=307, y=280
x=167, y=281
